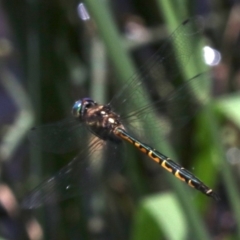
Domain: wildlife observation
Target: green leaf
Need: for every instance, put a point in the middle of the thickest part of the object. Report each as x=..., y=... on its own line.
x=229, y=107
x=159, y=215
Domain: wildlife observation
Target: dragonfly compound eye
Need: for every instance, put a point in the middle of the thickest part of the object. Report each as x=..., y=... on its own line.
x=76, y=109
x=86, y=104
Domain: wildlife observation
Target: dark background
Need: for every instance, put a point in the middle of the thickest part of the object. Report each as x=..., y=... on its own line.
x=50, y=57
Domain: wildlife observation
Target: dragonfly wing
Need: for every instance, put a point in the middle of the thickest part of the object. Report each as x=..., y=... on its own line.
x=173, y=112
x=60, y=137
x=160, y=68
x=74, y=179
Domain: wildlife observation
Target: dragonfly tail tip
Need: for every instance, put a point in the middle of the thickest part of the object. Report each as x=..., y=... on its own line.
x=215, y=196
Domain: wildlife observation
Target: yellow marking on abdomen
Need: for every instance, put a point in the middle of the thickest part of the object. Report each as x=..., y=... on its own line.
x=156, y=159
x=141, y=148
x=169, y=169
x=209, y=191
x=124, y=137
x=190, y=184
x=179, y=176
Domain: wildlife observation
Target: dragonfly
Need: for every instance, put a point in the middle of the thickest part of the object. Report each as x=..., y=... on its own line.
x=116, y=123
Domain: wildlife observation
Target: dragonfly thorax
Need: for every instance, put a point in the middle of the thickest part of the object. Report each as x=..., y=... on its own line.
x=100, y=119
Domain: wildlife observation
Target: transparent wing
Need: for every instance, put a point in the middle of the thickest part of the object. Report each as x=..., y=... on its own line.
x=72, y=180
x=176, y=50
x=68, y=134
x=59, y=137
x=173, y=112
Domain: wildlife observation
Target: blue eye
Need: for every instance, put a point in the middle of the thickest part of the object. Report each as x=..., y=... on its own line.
x=76, y=109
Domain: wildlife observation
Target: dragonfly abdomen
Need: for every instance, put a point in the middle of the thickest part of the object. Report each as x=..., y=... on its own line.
x=168, y=164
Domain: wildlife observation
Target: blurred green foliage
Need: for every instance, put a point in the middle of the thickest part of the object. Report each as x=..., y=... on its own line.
x=63, y=59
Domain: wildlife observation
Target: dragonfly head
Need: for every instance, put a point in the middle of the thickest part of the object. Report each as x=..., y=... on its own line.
x=79, y=108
